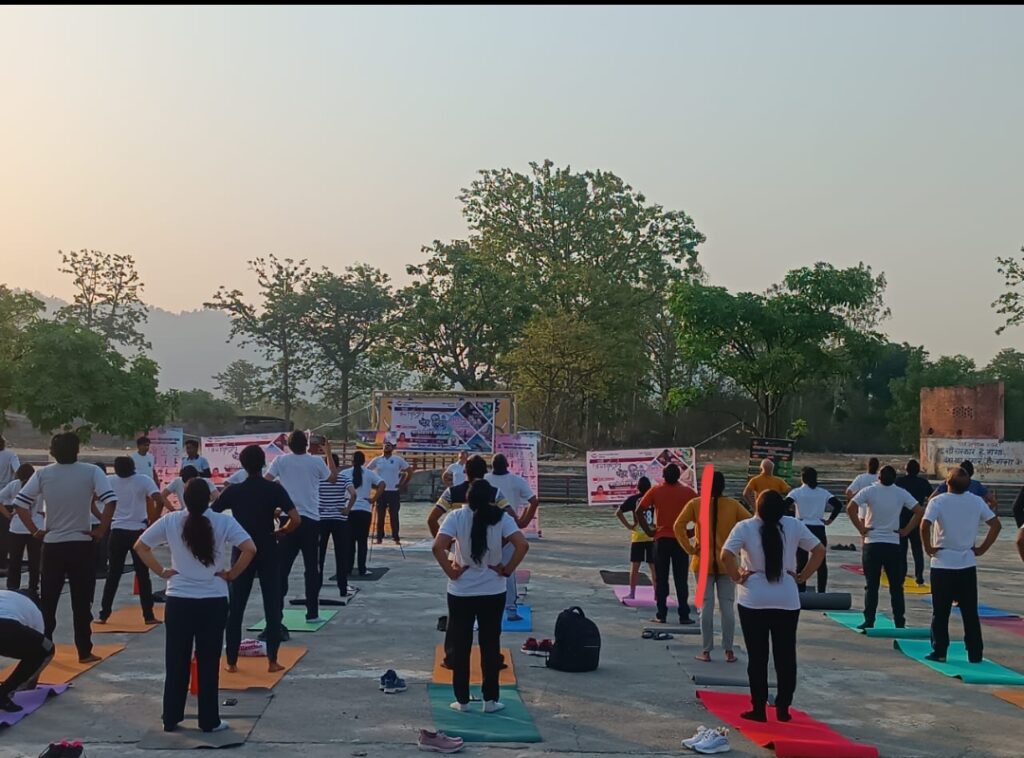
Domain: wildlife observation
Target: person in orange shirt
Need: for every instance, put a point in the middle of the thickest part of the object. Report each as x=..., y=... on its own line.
x=668, y=500
x=763, y=482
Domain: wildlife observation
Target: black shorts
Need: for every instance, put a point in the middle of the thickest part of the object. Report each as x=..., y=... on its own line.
x=641, y=552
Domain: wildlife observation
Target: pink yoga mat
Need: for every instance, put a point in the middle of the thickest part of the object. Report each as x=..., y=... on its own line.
x=30, y=701
x=1015, y=625
x=853, y=568
x=644, y=597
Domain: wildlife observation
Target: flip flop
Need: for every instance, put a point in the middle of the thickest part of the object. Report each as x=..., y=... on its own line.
x=703, y=657
x=663, y=636
x=730, y=657
x=648, y=634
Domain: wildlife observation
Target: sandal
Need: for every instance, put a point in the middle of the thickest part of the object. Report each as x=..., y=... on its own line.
x=703, y=657
x=657, y=620
x=648, y=634
x=663, y=636
x=730, y=657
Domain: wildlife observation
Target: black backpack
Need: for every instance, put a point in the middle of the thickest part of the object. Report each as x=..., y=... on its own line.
x=577, y=642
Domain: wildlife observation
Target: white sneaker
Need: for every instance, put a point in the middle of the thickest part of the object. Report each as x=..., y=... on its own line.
x=459, y=707
x=493, y=706
x=223, y=726
x=697, y=737
x=715, y=741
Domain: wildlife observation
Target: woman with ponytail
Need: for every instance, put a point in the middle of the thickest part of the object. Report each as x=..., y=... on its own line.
x=197, y=598
x=476, y=578
x=760, y=557
x=363, y=487
x=808, y=503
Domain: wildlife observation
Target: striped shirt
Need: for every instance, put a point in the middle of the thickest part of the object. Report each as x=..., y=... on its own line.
x=333, y=498
x=68, y=489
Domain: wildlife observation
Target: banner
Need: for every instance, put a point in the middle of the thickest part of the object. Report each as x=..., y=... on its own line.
x=432, y=424
x=166, y=446
x=521, y=452
x=779, y=450
x=612, y=474
x=223, y=452
x=993, y=460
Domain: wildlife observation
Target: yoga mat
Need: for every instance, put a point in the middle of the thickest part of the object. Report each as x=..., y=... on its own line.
x=884, y=626
x=1014, y=697
x=327, y=601
x=252, y=671
x=956, y=665
x=718, y=673
x=514, y=724
x=65, y=666
x=523, y=576
x=826, y=601
x=706, y=480
x=441, y=675
x=30, y=701
x=803, y=737
x=853, y=568
x=910, y=587
x=1014, y=625
x=644, y=597
x=295, y=621
x=984, y=611
x=622, y=577
x=128, y=620
x=191, y=738
x=525, y=625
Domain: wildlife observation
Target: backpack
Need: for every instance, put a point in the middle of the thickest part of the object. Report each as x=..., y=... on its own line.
x=577, y=642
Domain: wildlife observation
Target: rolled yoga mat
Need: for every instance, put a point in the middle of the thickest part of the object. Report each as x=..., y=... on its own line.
x=826, y=601
x=884, y=627
x=957, y=665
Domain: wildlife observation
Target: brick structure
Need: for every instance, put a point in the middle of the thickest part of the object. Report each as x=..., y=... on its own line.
x=962, y=412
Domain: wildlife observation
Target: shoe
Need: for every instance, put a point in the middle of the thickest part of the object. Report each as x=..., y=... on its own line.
x=697, y=737
x=975, y=660
x=223, y=726
x=866, y=625
x=715, y=741
x=782, y=713
x=686, y=622
x=459, y=707
x=9, y=706
x=935, y=657
x=71, y=749
x=317, y=619
x=544, y=647
x=385, y=676
x=514, y=616
x=493, y=706
x=438, y=742
x=920, y=582
x=363, y=572
x=755, y=715
x=530, y=647
x=394, y=684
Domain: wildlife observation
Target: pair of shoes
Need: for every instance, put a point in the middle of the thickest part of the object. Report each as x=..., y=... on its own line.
x=438, y=742
x=533, y=647
x=223, y=726
x=709, y=741
x=63, y=749
x=935, y=657
x=9, y=706
x=391, y=683
x=650, y=634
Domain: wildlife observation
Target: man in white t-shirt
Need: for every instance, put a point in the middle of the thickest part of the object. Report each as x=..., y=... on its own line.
x=193, y=458
x=395, y=472
x=875, y=513
x=21, y=638
x=523, y=502
x=177, y=486
x=9, y=464
x=455, y=474
x=867, y=479
x=948, y=533
x=145, y=463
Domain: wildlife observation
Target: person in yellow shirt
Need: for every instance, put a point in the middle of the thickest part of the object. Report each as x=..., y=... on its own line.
x=725, y=514
x=763, y=482
x=641, y=546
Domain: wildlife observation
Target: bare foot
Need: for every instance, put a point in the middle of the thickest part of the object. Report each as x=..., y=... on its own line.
x=99, y=621
x=90, y=659
x=274, y=666
x=631, y=595
x=703, y=657
x=231, y=669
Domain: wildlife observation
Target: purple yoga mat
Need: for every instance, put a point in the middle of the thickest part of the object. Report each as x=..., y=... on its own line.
x=30, y=701
x=644, y=597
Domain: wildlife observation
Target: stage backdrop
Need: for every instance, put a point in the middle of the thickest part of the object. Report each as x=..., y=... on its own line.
x=521, y=452
x=441, y=424
x=165, y=444
x=612, y=474
x=223, y=452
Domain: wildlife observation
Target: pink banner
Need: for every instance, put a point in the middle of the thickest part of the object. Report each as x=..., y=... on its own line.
x=521, y=452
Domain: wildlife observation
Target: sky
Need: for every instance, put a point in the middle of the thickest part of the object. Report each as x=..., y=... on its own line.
x=198, y=138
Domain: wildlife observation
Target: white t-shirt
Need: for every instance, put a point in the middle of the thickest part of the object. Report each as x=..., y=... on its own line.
x=458, y=472
x=194, y=580
x=879, y=507
x=7, y=495
x=16, y=607
x=300, y=474
x=513, y=487
x=861, y=481
x=370, y=482
x=956, y=519
x=68, y=489
x=9, y=465
x=745, y=542
x=811, y=503
x=477, y=579
x=390, y=469
x=131, y=493
x=177, y=488
x=145, y=464
x=199, y=463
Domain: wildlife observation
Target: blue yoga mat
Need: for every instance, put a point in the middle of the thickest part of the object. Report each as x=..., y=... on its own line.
x=524, y=625
x=984, y=611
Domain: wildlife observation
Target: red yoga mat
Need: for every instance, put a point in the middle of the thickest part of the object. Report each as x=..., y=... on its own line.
x=803, y=737
x=1014, y=625
x=853, y=568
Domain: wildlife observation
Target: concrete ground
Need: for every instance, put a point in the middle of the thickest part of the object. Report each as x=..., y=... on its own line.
x=639, y=702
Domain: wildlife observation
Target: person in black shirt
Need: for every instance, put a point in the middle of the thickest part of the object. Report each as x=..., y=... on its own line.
x=920, y=489
x=255, y=503
x=641, y=547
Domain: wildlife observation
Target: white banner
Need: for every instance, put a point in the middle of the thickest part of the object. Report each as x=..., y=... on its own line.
x=521, y=452
x=223, y=452
x=165, y=444
x=993, y=460
x=612, y=474
x=430, y=424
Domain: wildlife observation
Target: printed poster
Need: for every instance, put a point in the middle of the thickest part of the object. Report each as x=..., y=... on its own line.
x=521, y=452
x=612, y=474
x=431, y=424
x=166, y=443
x=223, y=452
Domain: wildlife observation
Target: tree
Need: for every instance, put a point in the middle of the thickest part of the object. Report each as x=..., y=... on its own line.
x=241, y=384
x=107, y=295
x=18, y=310
x=275, y=326
x=347, y=316
x=201, y=412
x=1008, y=367
x=1010, y=304
x=817, y=325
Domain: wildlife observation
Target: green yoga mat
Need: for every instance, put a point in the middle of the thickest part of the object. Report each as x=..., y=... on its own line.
x=884, y=626
x=956, y=664
x=295, y=621
x=514, y=724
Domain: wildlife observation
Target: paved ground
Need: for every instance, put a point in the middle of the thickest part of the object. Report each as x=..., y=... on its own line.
x=639, y=702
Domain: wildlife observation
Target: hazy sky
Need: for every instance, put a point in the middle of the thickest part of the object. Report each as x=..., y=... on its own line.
x=198, y=138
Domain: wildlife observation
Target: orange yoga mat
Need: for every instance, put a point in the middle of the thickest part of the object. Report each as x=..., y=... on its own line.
x=444, y=676
x=1015, y=697
x=128, y=620
x=65, y=666
x=253, y=674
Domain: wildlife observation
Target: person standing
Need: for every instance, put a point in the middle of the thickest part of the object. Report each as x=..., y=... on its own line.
x=145, y=463
x=974, y=487
x=667, y=500
x=334, y=524
x=300, y=474
x=875, y=513
x=725, y=514
x=395, y=472
x=476, y=586
x=197, y=599
x=765, y=481
x=760, y=557
x=68, y=487
x=363, y=487
x=949, y=530
x=867, y=479
x=524, y=503
x=134, y=492
x=22, y=541
x=21, y=638
x=921, y=489
x=194, y=459
x=641, y=545
x=455, y=474
x=9, y=465
x=178, y=484
x=809, y=502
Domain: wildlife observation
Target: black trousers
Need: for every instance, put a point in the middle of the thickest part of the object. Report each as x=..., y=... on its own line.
x=19, y=545
x=359, y=522
x=32, y=650
x=305, y=540
x=878, y=557
x=913, y=541
x=485, y=611
x=5, y=539
x=760, y=624
x=818, y=530
x=391, y=502
x=122, y=542
x=341, y=532
x=193, y=623
x=102, y=550
x=267, y=567
x=961, y=586
x=668, y=552
x=75, y=562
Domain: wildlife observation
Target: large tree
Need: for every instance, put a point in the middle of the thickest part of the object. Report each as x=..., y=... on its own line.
x=241, y=384
x=108, y=296
x=274, y=324
x=18, y=310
